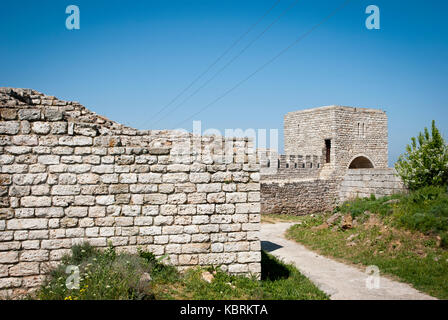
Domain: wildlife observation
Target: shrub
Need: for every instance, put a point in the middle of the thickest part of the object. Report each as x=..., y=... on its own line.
x=104, y=275
x=444, y=240
x=107, y=275
x=425, y=210
x=81, y=253
x=359, y=206
x=425, y=162
x=164, y=271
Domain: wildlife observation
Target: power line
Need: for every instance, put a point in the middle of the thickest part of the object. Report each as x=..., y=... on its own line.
x=228, y=63
x=300, y=38
x=217, y=60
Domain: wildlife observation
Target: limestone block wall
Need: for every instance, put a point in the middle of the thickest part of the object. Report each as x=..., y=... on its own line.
x=68, y=175
x=364, y=182
x=305, y=131
x=280, y=195
x=306, y=196
x=298, y=197
x=361, y=132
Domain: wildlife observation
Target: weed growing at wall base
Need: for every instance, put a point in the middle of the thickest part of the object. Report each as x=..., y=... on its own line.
x=105, y=275
x=120, y=276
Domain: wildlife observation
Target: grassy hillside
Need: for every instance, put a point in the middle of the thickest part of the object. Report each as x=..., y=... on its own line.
x=404, y=235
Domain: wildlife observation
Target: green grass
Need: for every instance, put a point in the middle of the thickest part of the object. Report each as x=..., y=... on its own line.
x=403, y=237
x=274, y=218
x=424, y=210
x=108, y=275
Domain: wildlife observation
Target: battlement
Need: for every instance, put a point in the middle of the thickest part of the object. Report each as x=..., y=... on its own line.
x=275, y=166
x=331, y=153
x=291, y=162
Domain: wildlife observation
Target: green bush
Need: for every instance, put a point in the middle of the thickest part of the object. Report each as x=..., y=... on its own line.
x=104, y=275
x=164, y=273
x=425, y=162
x=107, y=275
x=425, y=210
x=444, y=239
x=80, y=253
x=359, y=206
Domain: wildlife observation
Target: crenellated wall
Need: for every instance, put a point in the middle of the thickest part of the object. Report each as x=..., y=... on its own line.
x=69, y=175
x=275, y=167
x=321, y=144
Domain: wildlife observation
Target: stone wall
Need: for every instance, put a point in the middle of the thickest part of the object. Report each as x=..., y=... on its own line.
x=371, y=140
x=364, y=182
x=296, y=184
x=306, y=196
x=69, y=175
x=298, y=197
x=353, y=132
x=306, y=130
x=278, y=167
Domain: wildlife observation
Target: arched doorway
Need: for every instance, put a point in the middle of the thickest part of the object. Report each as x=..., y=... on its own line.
x=360, y=163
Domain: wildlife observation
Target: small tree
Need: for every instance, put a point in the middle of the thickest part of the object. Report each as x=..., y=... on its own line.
x=425, y=162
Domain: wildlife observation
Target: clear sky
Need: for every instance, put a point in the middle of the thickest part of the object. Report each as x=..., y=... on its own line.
x=131, y=58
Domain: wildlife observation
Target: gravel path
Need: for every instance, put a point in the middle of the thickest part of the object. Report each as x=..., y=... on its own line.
x=338, y=280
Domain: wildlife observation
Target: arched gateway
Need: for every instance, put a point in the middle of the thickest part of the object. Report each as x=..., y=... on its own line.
x=360, y=162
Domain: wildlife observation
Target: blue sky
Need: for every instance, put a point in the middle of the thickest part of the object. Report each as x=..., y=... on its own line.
x=131, y=58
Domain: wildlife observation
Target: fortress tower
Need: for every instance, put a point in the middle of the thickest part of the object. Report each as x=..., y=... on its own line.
x=332, y=153
x=343, y=137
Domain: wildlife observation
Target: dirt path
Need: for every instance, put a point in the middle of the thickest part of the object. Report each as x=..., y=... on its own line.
x=339, y=281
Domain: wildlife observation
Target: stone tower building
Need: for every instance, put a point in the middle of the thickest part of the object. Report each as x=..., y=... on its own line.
x=343, y=137
x=332, y=154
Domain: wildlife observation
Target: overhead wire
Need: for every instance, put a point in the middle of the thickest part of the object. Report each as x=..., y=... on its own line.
x=230, y=61
x=235, y=43
x=300, y=38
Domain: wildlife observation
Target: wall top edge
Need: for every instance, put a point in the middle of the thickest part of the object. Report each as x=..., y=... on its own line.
x=336, y=107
